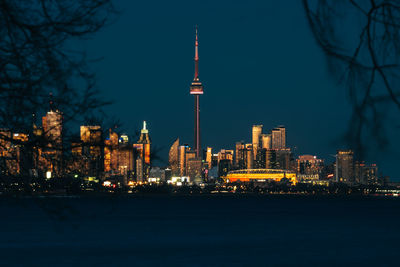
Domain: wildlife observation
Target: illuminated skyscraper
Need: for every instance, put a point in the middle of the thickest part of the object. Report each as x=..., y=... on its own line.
x=182, y=150
x=278, y=138
x=244, y=156
x=92, y=149
x=209, y=157
x=52, y=127
x=145, y=140
x=344, y=169
x=225, y=162
x=240, y=155
x=193, y=168
x=143, y=152
x=111, y=152
x=174, y=158
x=249, y=156
x=270, y=159
x=189, y=156
x=283, y=158
x=196, y=89
x=51, y=156
x=256, y=135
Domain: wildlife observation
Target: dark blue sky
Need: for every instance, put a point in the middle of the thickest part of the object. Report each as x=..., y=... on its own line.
x=259, y=64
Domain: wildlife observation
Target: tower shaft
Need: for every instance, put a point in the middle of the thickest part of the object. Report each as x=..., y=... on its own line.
x=197, y=145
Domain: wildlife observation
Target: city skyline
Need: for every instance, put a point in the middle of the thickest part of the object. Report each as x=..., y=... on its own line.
x=229, y=112
x=253, y=71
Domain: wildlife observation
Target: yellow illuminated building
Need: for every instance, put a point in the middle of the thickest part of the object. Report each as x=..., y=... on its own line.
x=50, y=157
x=278, y=138
x=260, y=175
x=111, y=152
x=266, y=141
x=12, y=152
x=145, y=140
x=225, y=154
x=143, y=152
x=344, y=167
x=91, y=134
x=256, y=134
x=209, y=157
x=173, y=158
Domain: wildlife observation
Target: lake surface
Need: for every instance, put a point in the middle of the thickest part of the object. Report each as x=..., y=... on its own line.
x=228, y=230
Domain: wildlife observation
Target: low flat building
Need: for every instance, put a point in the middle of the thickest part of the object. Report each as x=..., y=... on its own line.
x=261, y=175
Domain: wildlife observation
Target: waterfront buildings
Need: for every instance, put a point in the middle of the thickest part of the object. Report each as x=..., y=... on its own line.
x=184, y=162
x=267, y=150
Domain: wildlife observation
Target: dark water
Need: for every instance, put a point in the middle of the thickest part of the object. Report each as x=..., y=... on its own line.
x=199, y=230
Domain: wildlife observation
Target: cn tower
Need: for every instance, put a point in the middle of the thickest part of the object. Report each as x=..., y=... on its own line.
x=196, y=89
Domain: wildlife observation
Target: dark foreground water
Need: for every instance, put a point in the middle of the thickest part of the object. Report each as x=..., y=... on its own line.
x=199, y=230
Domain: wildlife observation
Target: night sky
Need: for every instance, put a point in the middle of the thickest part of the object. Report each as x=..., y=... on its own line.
x=259, y=64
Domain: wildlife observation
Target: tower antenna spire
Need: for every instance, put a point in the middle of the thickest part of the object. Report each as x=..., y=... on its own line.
x=196, y=57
